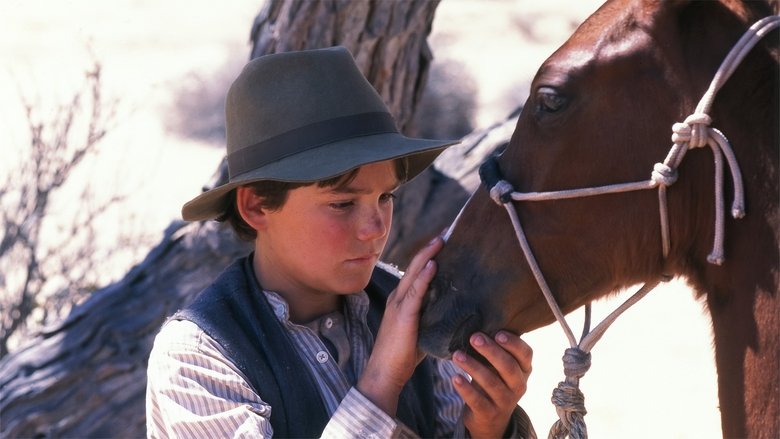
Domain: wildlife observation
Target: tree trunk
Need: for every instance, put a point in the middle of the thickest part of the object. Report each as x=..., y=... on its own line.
x=86, y=377
x=428, y=204
x=387, y=39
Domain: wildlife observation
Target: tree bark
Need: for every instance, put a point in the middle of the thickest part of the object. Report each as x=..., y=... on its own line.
x=427, y=205
x=87, y=376
x=387, y=39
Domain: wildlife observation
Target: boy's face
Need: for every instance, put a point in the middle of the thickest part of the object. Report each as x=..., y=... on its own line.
x=325, y=241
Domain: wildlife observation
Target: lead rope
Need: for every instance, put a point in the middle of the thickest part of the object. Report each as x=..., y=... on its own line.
x=694, y=132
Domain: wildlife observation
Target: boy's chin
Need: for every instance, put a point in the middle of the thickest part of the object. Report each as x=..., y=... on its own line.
x=355, y=284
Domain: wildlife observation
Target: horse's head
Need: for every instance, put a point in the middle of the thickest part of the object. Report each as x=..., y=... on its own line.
x=600, y=112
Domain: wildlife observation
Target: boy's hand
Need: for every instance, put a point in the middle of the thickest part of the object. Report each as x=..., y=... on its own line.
x=493, y=393
x=395, y=355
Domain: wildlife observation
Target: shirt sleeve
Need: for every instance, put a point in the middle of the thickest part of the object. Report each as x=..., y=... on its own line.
x=358, y=417
x=520, y=426
x=194, y=391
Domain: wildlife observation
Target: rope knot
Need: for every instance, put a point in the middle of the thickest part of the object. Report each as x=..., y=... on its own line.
x=663, y=174
x=501, y=192
x=567, y=398
x=694, y=130
x=570, y=405
x=576, y=363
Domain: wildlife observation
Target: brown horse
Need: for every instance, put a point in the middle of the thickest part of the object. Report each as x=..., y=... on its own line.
x=600, y=112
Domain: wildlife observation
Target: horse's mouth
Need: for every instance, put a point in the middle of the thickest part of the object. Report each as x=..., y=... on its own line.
x=448, y=320
x=447, y=335
x=460, y=338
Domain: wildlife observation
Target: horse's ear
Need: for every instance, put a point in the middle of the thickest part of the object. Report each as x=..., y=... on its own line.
x=663, y=10
x=666, y=6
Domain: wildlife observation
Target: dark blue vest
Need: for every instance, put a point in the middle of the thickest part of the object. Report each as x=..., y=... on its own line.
x=235, y=312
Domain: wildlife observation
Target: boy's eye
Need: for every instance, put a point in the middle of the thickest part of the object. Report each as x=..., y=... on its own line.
x=388, y=197
x=341, y=205
x=345, y=205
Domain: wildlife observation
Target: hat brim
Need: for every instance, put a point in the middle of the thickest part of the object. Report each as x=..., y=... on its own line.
x=321, y=163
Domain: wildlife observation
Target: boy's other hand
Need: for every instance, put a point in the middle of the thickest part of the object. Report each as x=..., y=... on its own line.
x=493, y=392
x=395, y=354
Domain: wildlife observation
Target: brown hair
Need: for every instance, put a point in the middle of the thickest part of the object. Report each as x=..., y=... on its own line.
x=274, y=194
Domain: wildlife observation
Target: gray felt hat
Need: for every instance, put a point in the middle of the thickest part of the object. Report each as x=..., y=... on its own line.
x=303, y=117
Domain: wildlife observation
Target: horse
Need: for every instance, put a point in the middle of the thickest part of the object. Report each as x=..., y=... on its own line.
x=599, y=113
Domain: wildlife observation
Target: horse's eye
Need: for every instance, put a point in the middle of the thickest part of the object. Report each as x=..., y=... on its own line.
x=549, y=100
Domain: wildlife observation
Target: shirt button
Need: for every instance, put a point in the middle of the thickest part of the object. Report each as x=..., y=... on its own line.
x=329, y=323
x=322, y=356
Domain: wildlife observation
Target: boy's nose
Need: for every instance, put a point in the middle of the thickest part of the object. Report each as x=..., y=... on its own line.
x=374, y=225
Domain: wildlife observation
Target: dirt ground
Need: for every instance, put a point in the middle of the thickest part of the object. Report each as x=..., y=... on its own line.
x=652, y=374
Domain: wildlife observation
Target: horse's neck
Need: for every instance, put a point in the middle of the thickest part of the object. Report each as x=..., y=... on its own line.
x=742, y=294
x=746, y=325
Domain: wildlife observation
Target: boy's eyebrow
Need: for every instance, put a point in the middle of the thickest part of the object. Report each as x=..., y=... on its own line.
x=348, y=189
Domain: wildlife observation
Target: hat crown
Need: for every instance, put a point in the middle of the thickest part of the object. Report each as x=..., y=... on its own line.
x=304, y=117
x=283, y=92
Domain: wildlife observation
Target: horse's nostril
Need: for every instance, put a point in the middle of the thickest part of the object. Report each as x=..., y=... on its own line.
x=430, y=296
x=433, y=293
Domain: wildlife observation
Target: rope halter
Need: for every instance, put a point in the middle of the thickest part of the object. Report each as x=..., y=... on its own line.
x=694, y=132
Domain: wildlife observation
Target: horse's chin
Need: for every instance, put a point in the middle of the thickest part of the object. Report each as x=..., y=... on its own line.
x=443, y=336
x=464, y=330
x=434, y=345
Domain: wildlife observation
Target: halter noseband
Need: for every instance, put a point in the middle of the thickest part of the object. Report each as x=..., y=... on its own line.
x=694, y=132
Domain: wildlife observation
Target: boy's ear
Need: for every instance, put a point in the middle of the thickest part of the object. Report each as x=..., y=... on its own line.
x=250, y=207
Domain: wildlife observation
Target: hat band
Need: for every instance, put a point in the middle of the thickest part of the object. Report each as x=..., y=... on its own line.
x=307, y=137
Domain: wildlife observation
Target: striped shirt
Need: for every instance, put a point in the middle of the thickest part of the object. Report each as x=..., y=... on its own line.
x=194, y=390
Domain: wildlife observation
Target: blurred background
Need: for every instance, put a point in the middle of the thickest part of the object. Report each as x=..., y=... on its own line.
x=134, y=89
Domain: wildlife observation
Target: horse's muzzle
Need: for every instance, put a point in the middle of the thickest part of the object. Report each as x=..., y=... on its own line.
x=445, y=329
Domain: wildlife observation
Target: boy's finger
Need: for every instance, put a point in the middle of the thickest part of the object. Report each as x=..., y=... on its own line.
x=418, y=263
x=489, y=380
x=518, y=348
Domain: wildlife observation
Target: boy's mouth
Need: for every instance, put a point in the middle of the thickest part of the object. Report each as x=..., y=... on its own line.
x=365, y=258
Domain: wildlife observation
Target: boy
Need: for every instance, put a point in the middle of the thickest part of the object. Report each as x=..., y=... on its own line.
x=300, y=338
